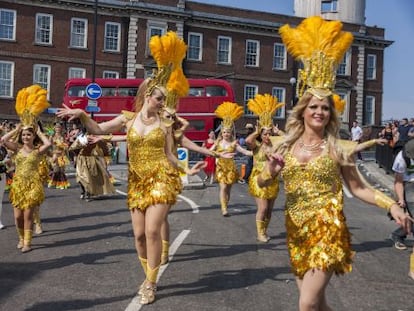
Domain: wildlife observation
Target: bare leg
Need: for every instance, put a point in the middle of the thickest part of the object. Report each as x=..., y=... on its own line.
x=312, y=290
x=138, y=226
x=224, y=198
x=165, y=237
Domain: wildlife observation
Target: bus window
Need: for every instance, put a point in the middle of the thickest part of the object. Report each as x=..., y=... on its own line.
x=76, y=91
x=108, y=91
x=216, y=91
x=196, y=125
x=127, y=91
x=196, y=91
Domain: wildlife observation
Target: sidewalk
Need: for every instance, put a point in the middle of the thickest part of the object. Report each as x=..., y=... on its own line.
x=377, y=176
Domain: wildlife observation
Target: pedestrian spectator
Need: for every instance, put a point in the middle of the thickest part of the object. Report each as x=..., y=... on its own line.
x=356, y=135
x=3, y=169
x=226, y=170
x=387, y=134
x=27, y=191
x=403, y=130
x=403, y=167
x=314, y=162
x=210, y=161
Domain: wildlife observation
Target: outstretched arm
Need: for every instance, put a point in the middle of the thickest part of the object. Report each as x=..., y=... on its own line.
x=361, y=189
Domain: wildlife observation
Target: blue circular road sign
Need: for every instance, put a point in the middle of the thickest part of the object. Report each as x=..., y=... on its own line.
x=182, y=154
x=93, y=91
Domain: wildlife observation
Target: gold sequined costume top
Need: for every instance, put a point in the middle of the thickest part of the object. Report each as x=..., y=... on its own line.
x=226, y=170
x=152, y=178
x=259, y=161
x=317, y=235
x=26, y=190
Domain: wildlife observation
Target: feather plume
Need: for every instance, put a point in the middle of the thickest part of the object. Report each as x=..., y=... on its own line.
x=30, y=103
x=229, y=110
x=263, y=104
x=178, y=83
x=339, y=103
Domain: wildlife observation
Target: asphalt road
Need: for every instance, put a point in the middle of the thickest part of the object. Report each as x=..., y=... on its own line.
x=85, y=259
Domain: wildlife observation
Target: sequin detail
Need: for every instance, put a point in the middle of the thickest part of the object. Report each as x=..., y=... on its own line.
x=26, y=190
x=269, y=192
x=317, y=235
x=226, y=170
x=152, y=179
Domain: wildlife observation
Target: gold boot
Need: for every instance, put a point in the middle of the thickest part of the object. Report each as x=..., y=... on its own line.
x=27, y=241
x=224, y=208
x=261, y=234
x=36, y=221
x=20, y=233
x=150, y=287
x=266, y=225
x=411, y=273
x=165, y=252
x=144, y=263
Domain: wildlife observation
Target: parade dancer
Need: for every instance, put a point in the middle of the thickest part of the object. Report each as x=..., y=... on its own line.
x=313, y=162
x=27, y=193
x=264, y=106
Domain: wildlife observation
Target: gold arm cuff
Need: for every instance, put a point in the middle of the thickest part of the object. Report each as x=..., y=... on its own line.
x=382, y=200
x=84, y=118
x=215, y=154
x=266, y=176
x=107, y=137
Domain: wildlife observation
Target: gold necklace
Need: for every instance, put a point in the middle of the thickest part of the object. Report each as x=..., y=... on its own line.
x=147, y=121
x=312, y=148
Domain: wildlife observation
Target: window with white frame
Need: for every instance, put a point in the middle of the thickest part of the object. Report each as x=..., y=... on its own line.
x=344, y=67
x=6, y=78
x=252, y=53
x=41, y=76
x=76, y=73
x=44, y=28
x=250, y=91
x=79, y=33
x=7, y=24
x=279, y=56
x=371, y=66
x=112, y=37
x=369, y=110
x=223, y=50
x=108, y=74
x=154, y=29
x=329, y=6
x=280, y=94
x=344, y=117
x=195, y=46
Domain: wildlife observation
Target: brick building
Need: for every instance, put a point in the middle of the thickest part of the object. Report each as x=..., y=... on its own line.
x=47, y=42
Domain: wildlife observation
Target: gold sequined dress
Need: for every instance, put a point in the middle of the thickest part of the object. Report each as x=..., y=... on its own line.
x=152, y=179
x=269, y=192
x=317, y=235
x=226, y=170
x=26, y=190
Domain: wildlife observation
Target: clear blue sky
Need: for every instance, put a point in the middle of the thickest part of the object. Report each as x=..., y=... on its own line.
x=397, y=18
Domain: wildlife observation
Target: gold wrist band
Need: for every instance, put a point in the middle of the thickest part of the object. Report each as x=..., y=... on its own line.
x=266, y=175
x=382, y=200
x=107, y=137
x=215, y=154
x=84, y=118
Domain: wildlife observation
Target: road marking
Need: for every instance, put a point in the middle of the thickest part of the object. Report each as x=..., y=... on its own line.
x=347, y=192
x=134, y=305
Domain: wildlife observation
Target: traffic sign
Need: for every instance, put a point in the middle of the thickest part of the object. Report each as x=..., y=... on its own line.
x=93, y=91
x=92, y=109
x=92, y=102
x=51, y=110
x=182, y=154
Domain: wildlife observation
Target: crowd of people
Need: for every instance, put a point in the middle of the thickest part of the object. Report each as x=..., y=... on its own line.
x=309, y=156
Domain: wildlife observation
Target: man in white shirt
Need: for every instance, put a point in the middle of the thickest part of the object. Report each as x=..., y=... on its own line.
x=356, y=135
x=404, y=189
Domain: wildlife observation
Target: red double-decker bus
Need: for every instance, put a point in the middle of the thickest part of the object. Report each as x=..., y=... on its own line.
x=118, y=94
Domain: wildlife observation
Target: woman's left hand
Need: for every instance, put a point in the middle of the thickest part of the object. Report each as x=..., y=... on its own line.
x=402, y=218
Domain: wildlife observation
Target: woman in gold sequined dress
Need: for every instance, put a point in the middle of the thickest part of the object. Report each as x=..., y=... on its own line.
x=313, y=161
x=26, y=194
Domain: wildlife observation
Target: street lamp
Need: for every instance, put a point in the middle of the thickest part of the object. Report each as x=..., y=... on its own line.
x=292, y=82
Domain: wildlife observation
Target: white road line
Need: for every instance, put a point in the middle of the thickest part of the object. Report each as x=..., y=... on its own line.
x=134, y=305
x=193, y=205
x=347, y=192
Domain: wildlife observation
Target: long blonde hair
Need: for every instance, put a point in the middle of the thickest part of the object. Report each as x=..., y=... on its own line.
x=295, y=127
x=142, y=92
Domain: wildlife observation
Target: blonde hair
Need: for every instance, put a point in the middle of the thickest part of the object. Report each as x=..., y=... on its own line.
x=295, y=127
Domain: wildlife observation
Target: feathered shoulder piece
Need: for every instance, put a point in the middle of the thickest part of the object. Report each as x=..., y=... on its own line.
x=30, y=103
x=264, y=106
x=320, y=45
x=229, y=112
x=168, y=52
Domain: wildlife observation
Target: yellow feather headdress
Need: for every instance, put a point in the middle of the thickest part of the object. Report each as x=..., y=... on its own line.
x=229, y=112
x=264, y=106
x=339, y=103
x=320, y=45
x=30, y=103
x=168, y=52
x=177, y=86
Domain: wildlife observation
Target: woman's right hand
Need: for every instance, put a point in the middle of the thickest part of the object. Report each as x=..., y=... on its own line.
x=67, y=112
x=275, y=163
